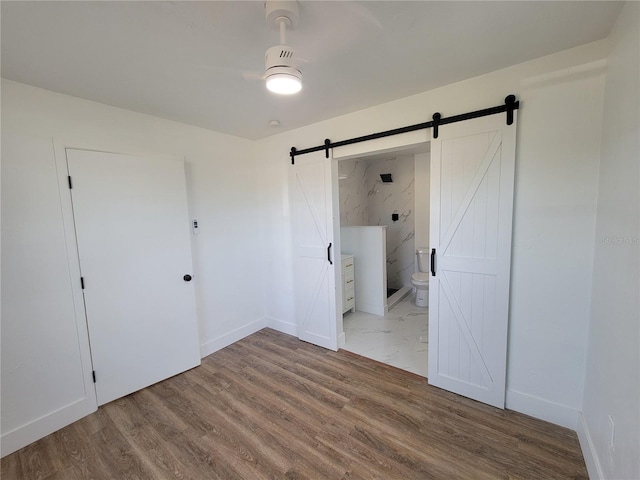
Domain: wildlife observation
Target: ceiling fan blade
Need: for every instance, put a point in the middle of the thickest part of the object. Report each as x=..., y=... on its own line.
x=253, y=75
x=363, y=13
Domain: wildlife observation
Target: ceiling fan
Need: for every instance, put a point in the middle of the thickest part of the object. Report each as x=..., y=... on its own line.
x=281, y=67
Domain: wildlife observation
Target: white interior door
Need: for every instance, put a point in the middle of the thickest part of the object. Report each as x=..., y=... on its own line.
x=472, y=178
x=315, y=253
x=132, y=228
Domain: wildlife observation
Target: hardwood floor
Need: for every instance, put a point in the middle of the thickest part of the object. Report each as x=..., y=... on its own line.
x=271, y=406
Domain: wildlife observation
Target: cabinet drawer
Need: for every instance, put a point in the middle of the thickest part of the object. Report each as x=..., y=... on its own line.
x=348, y=281
x=347, y=271
x=348, y=284
x=348, y=300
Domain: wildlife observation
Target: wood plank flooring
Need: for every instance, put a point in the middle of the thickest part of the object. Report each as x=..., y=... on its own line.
x=273, y=407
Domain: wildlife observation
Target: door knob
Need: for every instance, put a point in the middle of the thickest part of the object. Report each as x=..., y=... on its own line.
x=187, y=278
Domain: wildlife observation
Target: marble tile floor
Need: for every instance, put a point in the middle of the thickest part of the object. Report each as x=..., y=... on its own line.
x=400, y=338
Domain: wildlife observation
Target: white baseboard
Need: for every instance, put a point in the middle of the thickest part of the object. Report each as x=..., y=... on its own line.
x=542, y=409
x=282, y=326
x=45, y=425
x=563, y=416
x=227, y=339
x=589, y=450
x=292, y=329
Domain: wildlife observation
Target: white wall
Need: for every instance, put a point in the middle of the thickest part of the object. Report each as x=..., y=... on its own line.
x=554, y=218
x=612, y=385
x=367, y=245
x=46, y=372
x=556, y=179
x=223, y=194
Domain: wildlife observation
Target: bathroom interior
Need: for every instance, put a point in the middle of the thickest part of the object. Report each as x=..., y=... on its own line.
x=384, y=223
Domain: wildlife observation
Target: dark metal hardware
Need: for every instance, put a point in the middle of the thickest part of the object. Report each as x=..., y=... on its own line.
x=510, y=102
x=509, y=106
x=93, y=373
x=327, y=145
x=187, y=278
x=436, y=123
x=70, y=182
x=82, y=283
x=329, y=254
x=433, y=262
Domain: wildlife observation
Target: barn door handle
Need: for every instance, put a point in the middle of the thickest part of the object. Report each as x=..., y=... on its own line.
x=433, y=262
x=329, y=254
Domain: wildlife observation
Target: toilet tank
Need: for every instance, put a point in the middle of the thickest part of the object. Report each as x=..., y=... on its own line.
x=423, y=259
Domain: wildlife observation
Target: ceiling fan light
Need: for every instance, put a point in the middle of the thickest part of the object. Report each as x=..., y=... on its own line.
x=284, y=80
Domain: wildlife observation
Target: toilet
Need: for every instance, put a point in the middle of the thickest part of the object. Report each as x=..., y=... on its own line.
x=420, y=279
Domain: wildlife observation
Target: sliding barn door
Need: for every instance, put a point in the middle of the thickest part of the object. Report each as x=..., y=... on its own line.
x=472, y=178
x=315, y=257
x=134, y=246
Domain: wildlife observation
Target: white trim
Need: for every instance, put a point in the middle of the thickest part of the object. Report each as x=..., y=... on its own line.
x=282, y=326
x=542, y=409
x=589, y=451
x=394, y=143
x=342, y=339
x=233, y=336
x=45, y=425
x=69, y=226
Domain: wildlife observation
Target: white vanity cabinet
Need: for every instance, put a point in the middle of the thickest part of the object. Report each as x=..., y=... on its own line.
x=348, y=281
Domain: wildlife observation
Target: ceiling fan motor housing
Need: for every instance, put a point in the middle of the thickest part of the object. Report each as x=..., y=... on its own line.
x=280, y=59
x=279, y=56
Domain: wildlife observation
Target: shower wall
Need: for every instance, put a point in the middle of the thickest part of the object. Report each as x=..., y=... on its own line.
x=353, y=193
x=366, y=200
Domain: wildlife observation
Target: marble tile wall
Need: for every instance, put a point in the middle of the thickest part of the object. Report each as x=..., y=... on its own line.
x=353, y=193
x=386, y=199
x=366, y=200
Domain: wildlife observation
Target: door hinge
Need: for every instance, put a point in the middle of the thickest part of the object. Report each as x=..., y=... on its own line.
x=70, y=183
x=82, y=282
x=93, y=373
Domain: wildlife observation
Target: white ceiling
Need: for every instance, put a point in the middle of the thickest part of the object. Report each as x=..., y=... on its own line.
x=185, y=60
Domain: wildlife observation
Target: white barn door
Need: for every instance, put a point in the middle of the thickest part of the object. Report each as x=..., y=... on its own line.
x=472, y=180
x=314, y=250
x=132, y=227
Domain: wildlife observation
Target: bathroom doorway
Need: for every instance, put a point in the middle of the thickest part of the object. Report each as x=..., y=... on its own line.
x=390, y=191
